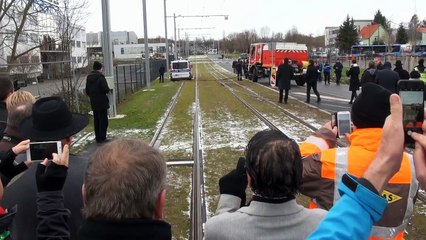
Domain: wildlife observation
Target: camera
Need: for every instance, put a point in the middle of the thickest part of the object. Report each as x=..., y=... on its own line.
x=342, y=120
x=41, y=150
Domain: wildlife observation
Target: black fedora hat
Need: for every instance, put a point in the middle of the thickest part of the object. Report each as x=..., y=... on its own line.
x=52, y=120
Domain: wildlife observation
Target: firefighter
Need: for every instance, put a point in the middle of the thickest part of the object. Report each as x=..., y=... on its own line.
x=421, y=69
x=324, y=164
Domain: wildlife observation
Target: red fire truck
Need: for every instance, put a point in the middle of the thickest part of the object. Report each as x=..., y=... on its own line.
x=265, y=56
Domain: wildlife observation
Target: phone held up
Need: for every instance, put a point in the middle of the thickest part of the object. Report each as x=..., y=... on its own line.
x=342, y=120
x=40, y=150
x=411, y=93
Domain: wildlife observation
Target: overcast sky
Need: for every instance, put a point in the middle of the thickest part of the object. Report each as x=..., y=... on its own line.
x=309, y=16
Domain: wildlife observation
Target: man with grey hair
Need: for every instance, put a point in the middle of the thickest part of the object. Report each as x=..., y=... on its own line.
x=124, y=193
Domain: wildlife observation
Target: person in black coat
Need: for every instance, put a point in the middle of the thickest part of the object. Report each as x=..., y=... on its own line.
x=311, y=81
x=239, y=68
x=403, y=74
x=284, y=76
x=161, y=71
x=338, y=67
x=387, y=78
x=51, y=120
x=369, y=74
x=353, y=73
x=97, y=90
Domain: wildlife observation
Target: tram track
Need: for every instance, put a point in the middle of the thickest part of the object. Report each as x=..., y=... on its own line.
x=221, y=78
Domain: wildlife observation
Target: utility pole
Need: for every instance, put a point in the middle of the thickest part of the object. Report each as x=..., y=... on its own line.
x=145, y=32
x=107, y=52
x=167, y=41
x=174, y=19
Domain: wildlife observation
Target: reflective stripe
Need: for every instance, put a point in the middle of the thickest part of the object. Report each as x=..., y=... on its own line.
x=384, y=232
x=319, y=142
x=377, y=231
x=341, y=169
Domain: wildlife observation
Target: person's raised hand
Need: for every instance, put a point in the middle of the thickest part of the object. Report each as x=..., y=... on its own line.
x=388, y=158
x=51, y=177
x=235, y=182
x=420, y=154
x=330, y=127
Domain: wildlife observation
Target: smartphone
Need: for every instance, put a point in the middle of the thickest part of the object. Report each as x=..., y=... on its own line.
x=41, y=150
x=343, y=122
x=412, y=97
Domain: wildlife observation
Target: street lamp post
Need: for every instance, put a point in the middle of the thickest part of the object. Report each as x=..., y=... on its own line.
x=145, y=31
x=167, y=41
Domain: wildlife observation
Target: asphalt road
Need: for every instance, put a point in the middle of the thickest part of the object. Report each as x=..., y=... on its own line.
x=333, y=97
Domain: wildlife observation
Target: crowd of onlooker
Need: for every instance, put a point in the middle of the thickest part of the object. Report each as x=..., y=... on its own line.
x=369, y=188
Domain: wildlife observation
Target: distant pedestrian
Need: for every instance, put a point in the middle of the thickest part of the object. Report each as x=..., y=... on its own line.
x=239, y=69
x=338, y=67
x=234, y=65
x=311, y=81
x=353, y=73
x=245, y=68
x=421, y=70
x=161, y=70
x=369, y=74
x=403, y=74
x=327, y=71
x=319, y=67
x=387, y=78
x=97, y=90
x=284, y=76
x=378, y=62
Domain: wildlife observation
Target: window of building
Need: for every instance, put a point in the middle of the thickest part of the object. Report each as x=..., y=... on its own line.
x=83, y=44
x=122, y=50
x=72, y=43
x=74, y=59
x=79, y=59
x=78, y=44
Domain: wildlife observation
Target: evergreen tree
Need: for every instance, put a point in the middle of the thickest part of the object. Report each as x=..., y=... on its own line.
x=401, y=35
x=380, y=19
x=347, y=35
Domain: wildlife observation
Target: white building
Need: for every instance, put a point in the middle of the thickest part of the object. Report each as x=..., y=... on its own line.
x=134, y=51
x=79, y=49
x=117, y=38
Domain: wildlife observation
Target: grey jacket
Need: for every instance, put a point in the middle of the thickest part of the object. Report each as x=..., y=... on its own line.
x=261, y=220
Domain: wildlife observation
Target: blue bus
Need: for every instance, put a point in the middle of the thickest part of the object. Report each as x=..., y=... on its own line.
x=371, y=50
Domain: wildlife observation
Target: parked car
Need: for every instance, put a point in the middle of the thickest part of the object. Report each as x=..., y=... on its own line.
x=180, y=69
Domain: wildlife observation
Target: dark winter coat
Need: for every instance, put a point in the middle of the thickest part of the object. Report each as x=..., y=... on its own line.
x=353, y=73
x=311, y=74
x=3, y=117
x=95, y=229
x=387, y=79
x=403, y=74
x=338, y=67
x=97, y=89
x=162, y=70
x=369, y=75
x=284, y=76
x=23, y=192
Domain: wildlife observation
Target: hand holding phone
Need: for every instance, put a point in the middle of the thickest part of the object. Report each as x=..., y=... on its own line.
x=43, y=150
x=342, y=120
x=411, y=93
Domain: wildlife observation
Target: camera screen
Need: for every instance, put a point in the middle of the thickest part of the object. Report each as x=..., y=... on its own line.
x=412, y=103
x=344, y=124
x=40, y=151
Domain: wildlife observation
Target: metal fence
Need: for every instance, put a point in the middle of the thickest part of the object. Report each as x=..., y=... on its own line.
x=129, y=78
x=44, y=79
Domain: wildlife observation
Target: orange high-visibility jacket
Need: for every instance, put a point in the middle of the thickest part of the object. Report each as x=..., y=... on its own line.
x=324, y=165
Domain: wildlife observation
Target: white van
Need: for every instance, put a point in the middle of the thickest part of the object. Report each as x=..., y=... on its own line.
x=180, y=69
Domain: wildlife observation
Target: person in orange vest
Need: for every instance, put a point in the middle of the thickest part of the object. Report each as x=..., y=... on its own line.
x=324, y=164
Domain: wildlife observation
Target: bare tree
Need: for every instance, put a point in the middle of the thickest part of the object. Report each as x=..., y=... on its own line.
x=264, y=32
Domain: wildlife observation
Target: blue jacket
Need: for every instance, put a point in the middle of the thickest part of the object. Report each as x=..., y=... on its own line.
x=327, y=68
x=352, y=217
